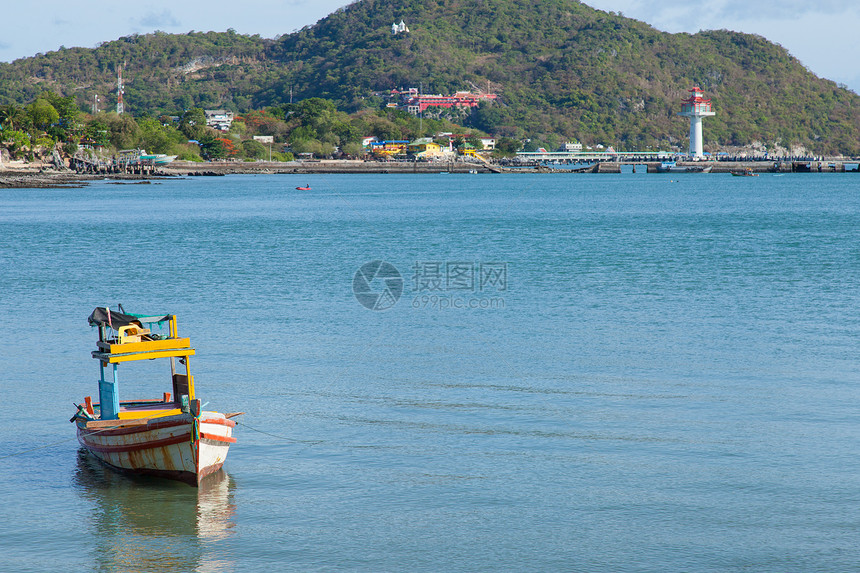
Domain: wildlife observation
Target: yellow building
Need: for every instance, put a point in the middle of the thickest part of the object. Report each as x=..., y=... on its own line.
x=388, y=148
x=425, y=150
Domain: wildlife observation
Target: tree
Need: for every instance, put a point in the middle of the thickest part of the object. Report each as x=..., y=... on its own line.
x=353, y=149
x=254, y=149
x=506, y=147
x=228, y=146
x=42, y=114
x=123, y=131
x=15, y=141
x=96, y=133
x=475, y=141
x=193, y=123
x=12, y=117
x=212, y=147
x=67, y=109
x=157, y=138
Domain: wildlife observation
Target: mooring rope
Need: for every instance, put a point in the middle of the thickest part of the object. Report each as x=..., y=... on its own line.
x=284, y=438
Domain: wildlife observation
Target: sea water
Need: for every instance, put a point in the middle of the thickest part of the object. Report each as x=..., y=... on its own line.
x=548, y=372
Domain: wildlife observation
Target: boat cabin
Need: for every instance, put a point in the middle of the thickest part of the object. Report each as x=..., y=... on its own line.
x=125, y=337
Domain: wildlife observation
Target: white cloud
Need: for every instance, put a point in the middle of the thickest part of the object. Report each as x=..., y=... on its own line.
x=153, y=21
x=690, y=16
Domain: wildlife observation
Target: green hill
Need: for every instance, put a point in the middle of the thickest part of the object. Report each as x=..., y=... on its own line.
x=161, y=72
x=563, y=71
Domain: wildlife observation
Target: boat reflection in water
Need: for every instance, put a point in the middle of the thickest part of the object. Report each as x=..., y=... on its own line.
x=151, y=524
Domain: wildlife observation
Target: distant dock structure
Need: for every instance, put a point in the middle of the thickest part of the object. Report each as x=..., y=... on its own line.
x=696, y=107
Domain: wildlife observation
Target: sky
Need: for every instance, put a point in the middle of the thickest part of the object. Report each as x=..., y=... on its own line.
x=821, y=34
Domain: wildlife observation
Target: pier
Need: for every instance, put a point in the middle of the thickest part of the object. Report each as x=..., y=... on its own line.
x=122, y=164
x=641, y=167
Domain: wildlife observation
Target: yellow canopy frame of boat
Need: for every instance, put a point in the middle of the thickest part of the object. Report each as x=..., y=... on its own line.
x=129, y=347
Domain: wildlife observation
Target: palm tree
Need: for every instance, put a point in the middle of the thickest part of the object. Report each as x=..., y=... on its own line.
x=12, y=117
x=6, y=113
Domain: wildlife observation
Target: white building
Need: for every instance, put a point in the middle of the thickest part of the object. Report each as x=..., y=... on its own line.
x=400, y=28
x=488, y=142
x=220, y=119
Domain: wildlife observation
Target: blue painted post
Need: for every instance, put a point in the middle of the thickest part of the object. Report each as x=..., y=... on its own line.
x=108, y=394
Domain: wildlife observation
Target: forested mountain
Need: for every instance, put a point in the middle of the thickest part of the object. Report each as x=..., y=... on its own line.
x=563, y=71
x=162, y=72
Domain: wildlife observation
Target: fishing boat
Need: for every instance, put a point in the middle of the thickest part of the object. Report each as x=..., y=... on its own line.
x=673, y=167
x=747, y=172
x=171, y=437
x=162, y=159
x=141, y=156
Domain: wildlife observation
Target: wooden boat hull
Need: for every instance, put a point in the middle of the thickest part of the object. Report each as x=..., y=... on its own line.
x=685, y=169
x=177, y=447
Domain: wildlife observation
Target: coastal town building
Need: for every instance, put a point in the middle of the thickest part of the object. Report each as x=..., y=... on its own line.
x=415, y=102
x=220, y=119
x=440, y=147
x=487, y=143
x=400, y=28
x=388, y=148
x=425, y=150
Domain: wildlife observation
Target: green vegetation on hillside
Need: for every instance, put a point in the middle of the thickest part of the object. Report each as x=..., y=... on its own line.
x=313, y=126
x=563, y=71
x=162, y=72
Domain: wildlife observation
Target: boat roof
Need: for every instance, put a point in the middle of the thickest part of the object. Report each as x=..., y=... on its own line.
x=139, y=344
x=102, y=316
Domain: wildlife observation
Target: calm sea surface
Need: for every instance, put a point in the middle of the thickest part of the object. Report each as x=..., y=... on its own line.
x=581, y=373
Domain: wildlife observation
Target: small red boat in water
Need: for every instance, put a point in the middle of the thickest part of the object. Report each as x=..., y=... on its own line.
x=305, y=188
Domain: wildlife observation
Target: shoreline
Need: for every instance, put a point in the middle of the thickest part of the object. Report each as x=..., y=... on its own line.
x=36, y=176
x=53, y=179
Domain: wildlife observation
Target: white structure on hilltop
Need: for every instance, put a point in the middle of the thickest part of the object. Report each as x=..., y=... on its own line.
x=399, y=28
x=696, y=107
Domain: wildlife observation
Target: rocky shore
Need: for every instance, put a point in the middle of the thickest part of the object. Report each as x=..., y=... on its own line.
x=36, y=176
x=323, y=166
x=48, y=179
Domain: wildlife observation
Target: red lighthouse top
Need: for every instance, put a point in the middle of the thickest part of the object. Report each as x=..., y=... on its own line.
x=696, y=103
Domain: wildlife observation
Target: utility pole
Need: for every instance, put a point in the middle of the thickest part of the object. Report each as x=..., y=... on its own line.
x=120, y=105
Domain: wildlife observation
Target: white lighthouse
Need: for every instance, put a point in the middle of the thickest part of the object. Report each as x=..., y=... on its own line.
x=696, y=107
